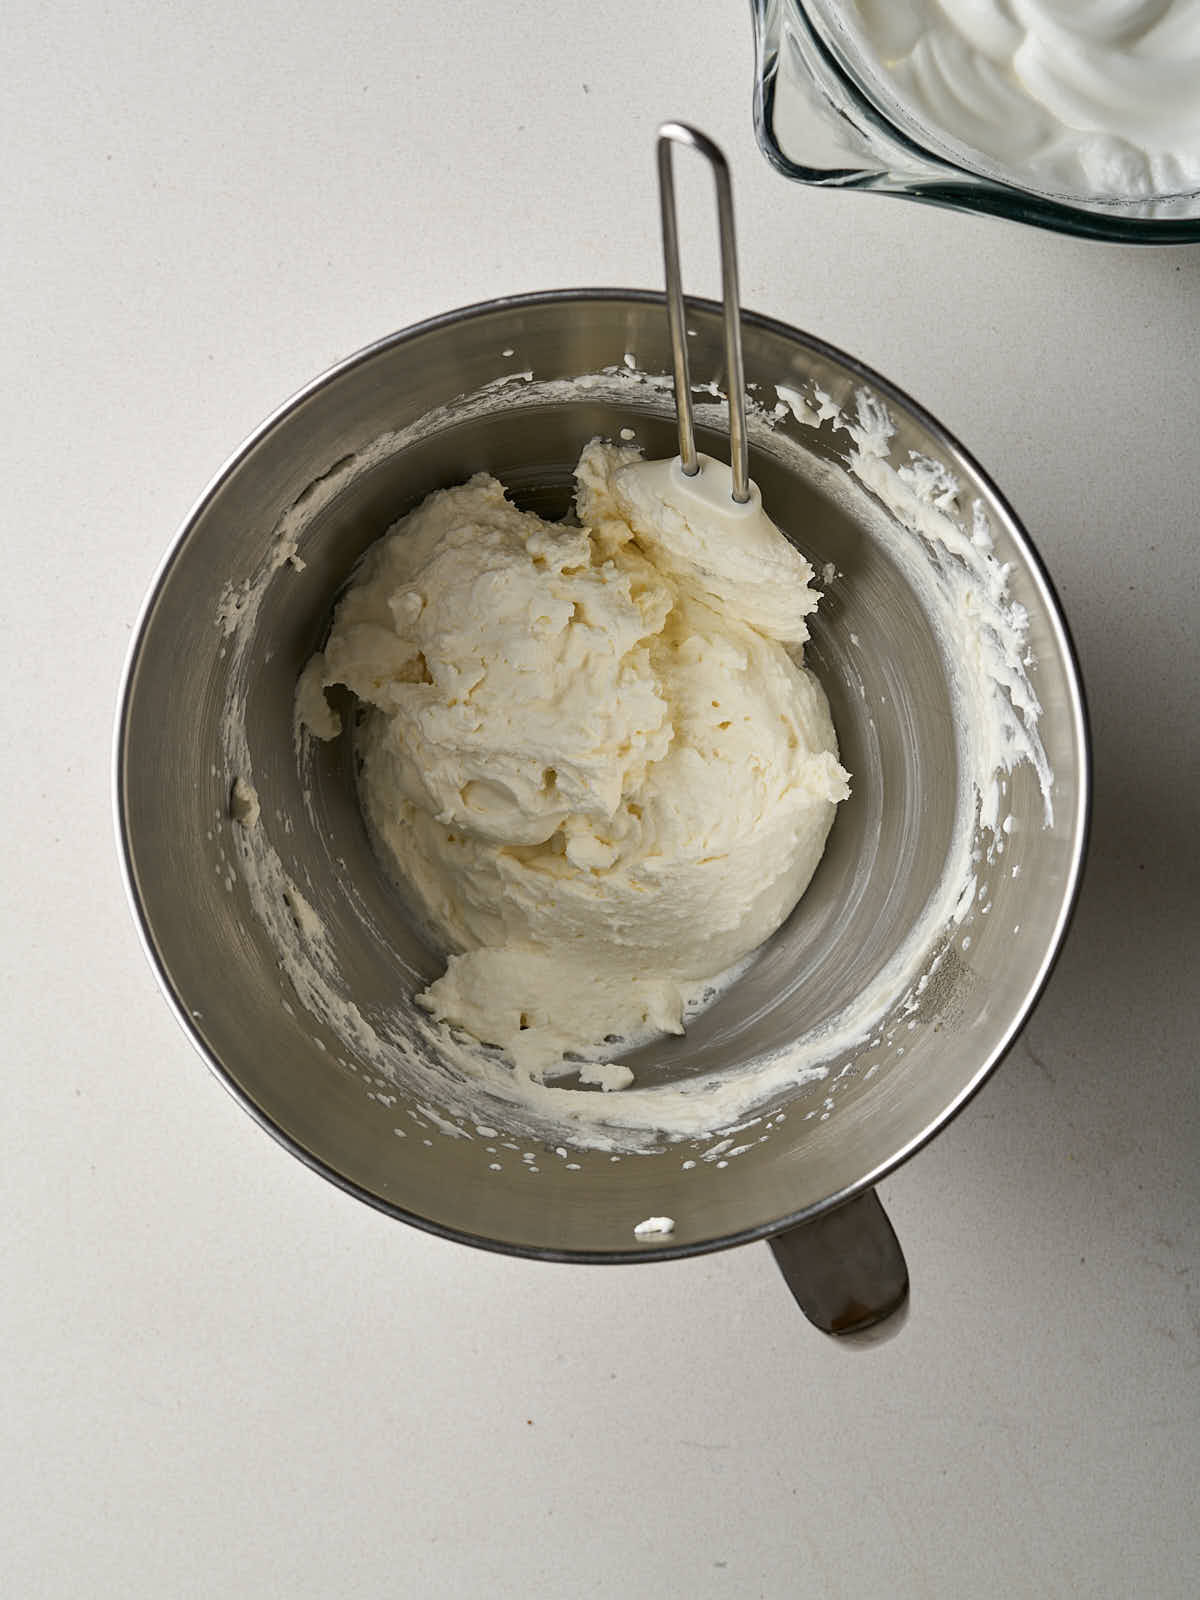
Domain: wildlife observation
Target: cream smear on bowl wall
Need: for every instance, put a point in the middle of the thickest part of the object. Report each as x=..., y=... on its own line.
x=1072, y=97
x=464, y=1090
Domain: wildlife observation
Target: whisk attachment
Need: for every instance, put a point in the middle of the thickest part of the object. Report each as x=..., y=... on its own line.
x=669, y=135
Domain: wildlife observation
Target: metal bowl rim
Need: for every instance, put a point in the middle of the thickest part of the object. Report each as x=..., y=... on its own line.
x=666, y=1250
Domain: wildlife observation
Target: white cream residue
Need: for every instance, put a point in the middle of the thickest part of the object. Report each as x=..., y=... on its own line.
x=655, y=1228
x=243, y=803
x=985, y=631
x=404, y=1053
x=1074, y=96
x=606, y=1075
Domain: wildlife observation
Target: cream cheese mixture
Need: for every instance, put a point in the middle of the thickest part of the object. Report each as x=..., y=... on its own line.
x=592, y=753
x=1087, y=98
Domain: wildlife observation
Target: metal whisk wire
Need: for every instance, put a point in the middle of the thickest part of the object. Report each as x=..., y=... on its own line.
x=669, y=135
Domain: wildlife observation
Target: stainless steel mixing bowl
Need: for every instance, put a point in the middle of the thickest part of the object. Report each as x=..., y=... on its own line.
x=814, y=1149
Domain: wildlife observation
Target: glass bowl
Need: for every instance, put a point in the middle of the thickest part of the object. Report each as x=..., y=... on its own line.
x=821, y=118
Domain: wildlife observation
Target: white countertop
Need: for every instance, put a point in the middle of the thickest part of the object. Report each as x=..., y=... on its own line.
x=224, y=1377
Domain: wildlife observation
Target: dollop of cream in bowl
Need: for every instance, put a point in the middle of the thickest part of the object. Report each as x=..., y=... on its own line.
x=593, y=754
x=1086, y=98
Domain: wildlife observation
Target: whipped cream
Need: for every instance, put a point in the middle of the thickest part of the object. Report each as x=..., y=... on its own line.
x=593, y=754
x=1097, y=98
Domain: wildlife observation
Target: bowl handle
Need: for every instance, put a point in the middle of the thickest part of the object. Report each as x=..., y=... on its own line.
x=847, y=1271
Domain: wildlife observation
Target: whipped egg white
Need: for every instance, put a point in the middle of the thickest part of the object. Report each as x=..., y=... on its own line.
x=1071, y=96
